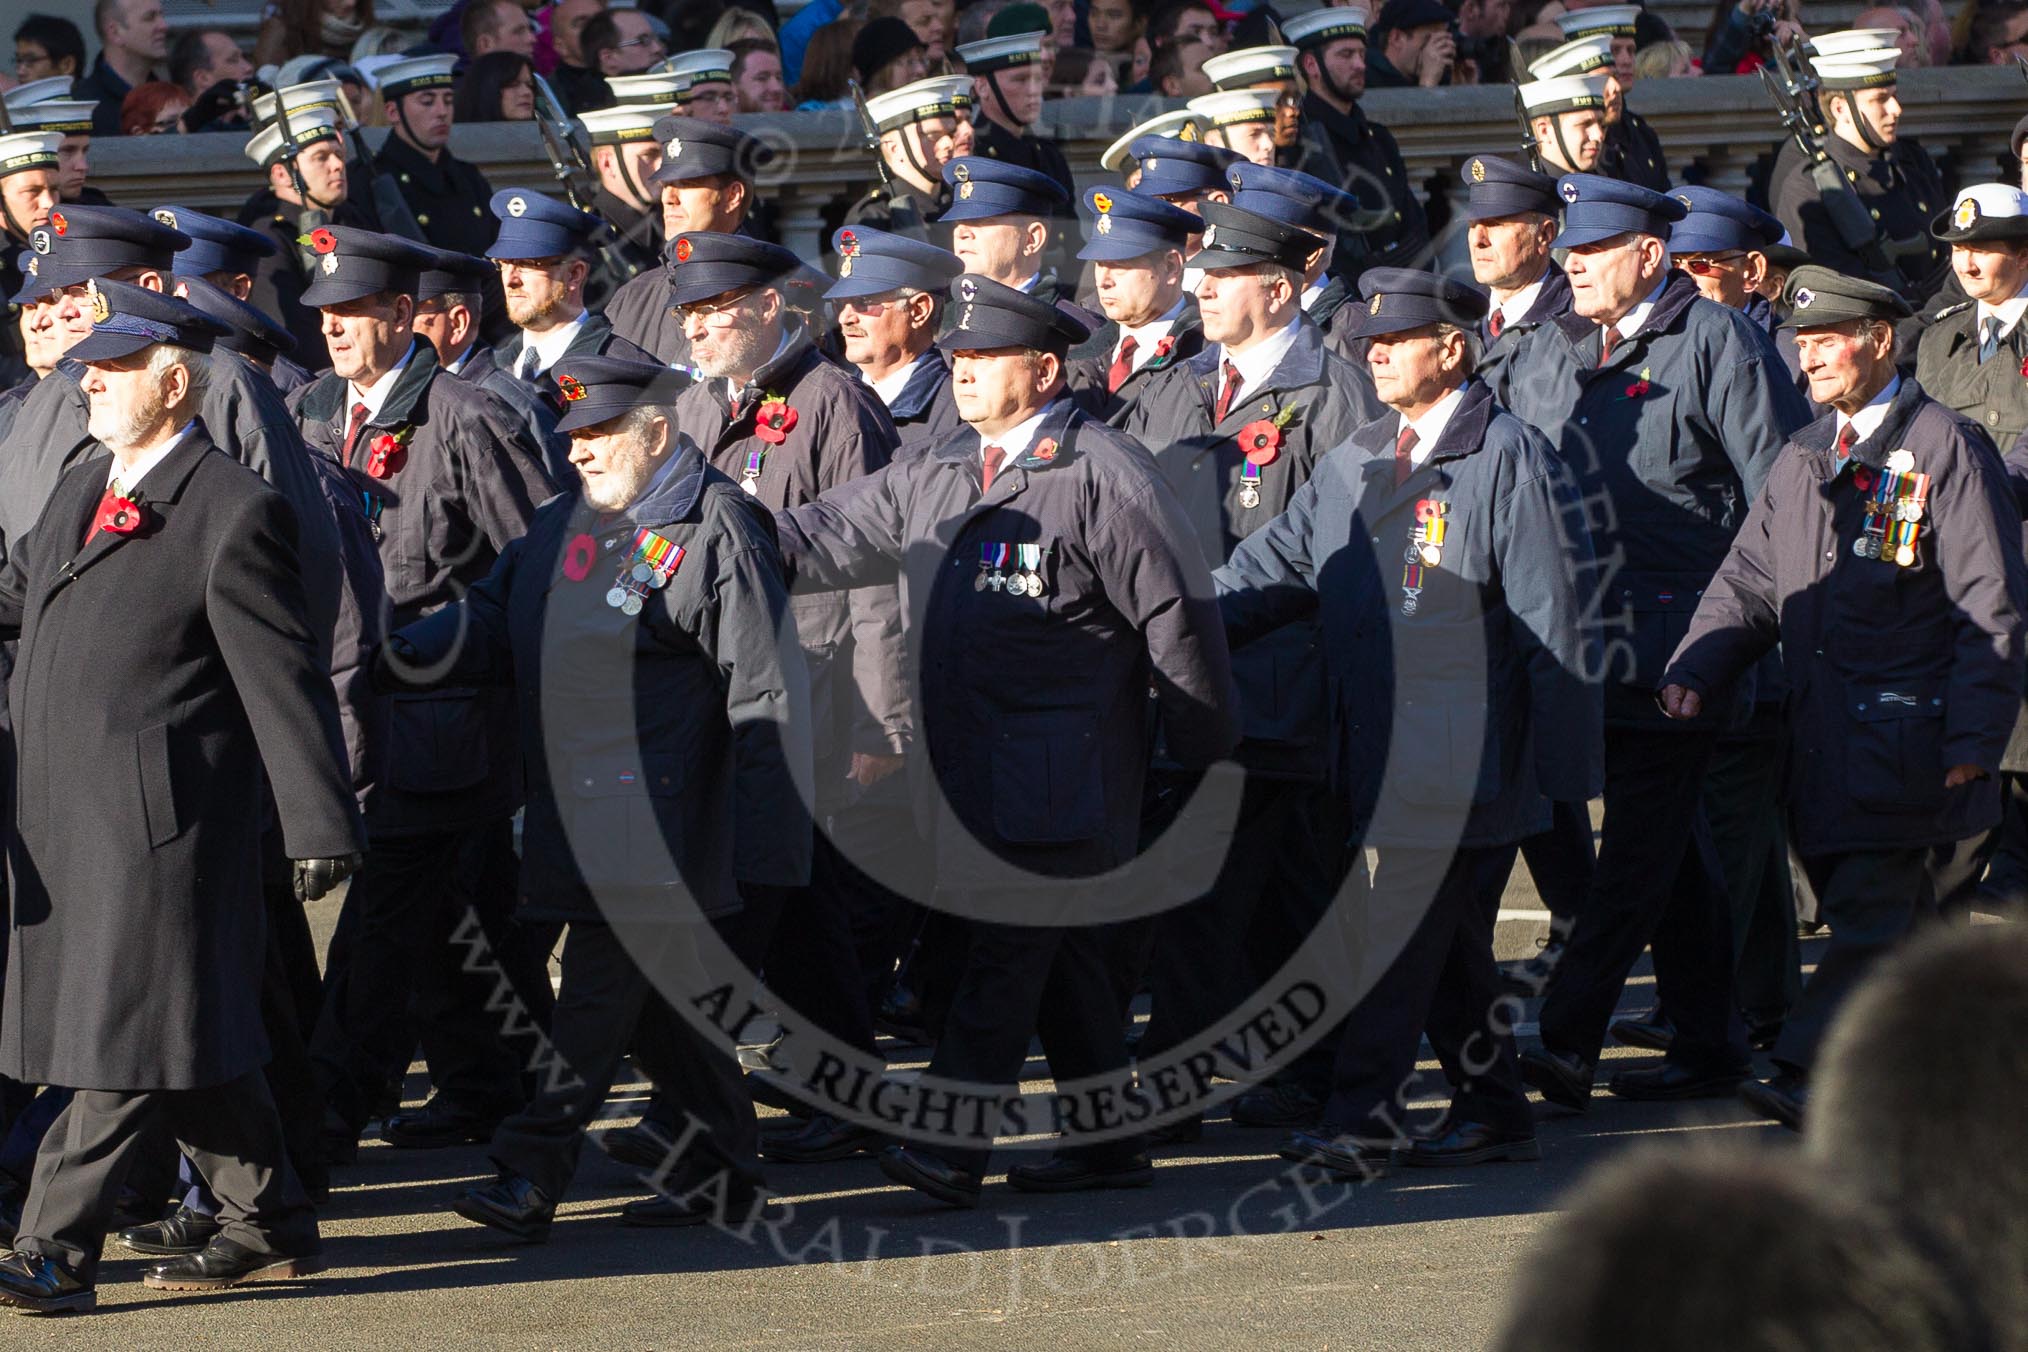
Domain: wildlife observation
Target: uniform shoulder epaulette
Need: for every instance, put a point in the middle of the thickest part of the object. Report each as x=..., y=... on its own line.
x=1950, y=310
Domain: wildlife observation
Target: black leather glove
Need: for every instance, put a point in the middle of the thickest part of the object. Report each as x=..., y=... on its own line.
x=315, y=877
x=215, y=105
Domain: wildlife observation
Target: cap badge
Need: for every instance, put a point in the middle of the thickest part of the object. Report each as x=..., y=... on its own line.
x=1374, y=307
x=102, y=308
x=848, y=243
x=965, y=188
x=1209, y=231
x=1105, y=225
x=967, y=289
x=1101, y=203
x=1478, y=171
x=517, y=206
x=34, y=266
x=330, y=264
x=58, y=223
x=845, y=265
x=683, y=251
x=38, y=240
x=1967, y=213
x=1232, y=177
x=571, y=388
x=1805, y=298
x=1685, y=200
x=166, y=216
x=673, y=147
x=1187, y=132
x=962, y=172
x=1569, y=192
x=1149, y=165
x=965, y=319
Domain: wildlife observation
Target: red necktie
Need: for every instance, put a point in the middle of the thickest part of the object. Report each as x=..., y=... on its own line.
x=106, y=501
x=989, y=465
x=1123, y=365
x=1403, y=444
x=1846, y=439
x=1608, y=337
x=1227, y=392
x=1496, y=322
x=353, y=429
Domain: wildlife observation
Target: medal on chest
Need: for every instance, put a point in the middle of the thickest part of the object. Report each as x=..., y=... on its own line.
x=373, y=502
x=1025, y=579
x=654, y=561
x=1249, y=485
x=749, y=477
x=1425, y=550
x=1897, y=499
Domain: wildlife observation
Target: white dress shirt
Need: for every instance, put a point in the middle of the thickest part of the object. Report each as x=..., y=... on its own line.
x=129, y=480
x=1014, y=440
x=1430, y=425
x=1633, y=321
x=375, y=395
x=1514, y=309
x=2008, y=312
x=888, y=388
x=1867, y=420
x=548, y=347
x=1258, y=362
x=1147, y=336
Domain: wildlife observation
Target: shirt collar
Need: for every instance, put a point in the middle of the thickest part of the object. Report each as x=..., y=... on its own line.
x=1430, y=426
x=130, y=481
x=788, y=335
x=375, y=395
x=549, y=347
x=457, y=367
x=1867, y=420
x=1310, y=294
x=2008, y=312
x=1027, y=284
x=1630, y=324
x=1147, y=335
x=1515, y=308
x=1257, y=364
x=889, y=387
x=1015, y=440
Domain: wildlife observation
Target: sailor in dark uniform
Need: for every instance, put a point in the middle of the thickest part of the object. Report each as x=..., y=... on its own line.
x=1567, y=116
x=28, y=167
x=315, y=150
x=1596, y=40
x=1971, y=356
x=1272, y=70
x=625, y=155
x=70, y=119
x=447, y=195
x=1007, y=77
x=918, y=126
x=1136, y=248
x=1003, y=222
x=889, y=298
x=1241, y=120
x=1345, y=148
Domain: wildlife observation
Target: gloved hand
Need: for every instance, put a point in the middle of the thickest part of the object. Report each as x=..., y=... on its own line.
x=315, y=877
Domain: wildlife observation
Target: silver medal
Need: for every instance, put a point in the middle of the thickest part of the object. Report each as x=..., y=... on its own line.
x=1430, y=556
x=750, y=484
x=1035, y=585
x=616, y=597
x=631, y=606
x=979, y=583
x=1249, y=497
x=642, y=572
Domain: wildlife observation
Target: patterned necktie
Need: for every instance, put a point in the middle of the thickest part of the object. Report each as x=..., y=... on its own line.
x=1403, y=465
x=1608, y=338
x=1496, y=321
x=353, y=429
x=990, y=458
x=1227, y=392
x=531, y=365
x=1123, y=365
x=1989, y=340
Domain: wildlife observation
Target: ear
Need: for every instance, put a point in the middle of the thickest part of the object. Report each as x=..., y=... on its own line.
x=1034, y=237
x=738, y=197
x=1754, y=271
x=661, y=437
x=151, y=280
x=1048, y=370
x=404, y=312
x=771, y=305
x=605, y=159
x=459, y=317
x=391, y=110
x=577, y=274
x=922, y=310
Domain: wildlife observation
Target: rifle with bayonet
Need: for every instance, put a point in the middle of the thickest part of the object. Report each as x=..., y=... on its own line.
x=396, y=216
x=571, y=164
x=1529, y=146
x=1793, y=87
x=309, y=218
x=904, y=217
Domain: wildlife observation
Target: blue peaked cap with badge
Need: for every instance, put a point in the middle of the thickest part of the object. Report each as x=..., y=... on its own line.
x=1717, y=222
x=1596, y=209
x=127, y=319
x=875, y=262
x=593, y=390
x=705, y=263
x=1172, y=167
x=1126, y=226
x=1293, y=198
x=215, y=245
x=352, y=264
x=1400, y=300
x=83, y=242
x=1495, y=188
x=534, y=226
x=982, y=189
x=984, y=316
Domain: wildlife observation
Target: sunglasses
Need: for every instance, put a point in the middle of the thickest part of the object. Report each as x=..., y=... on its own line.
x=1710, y=265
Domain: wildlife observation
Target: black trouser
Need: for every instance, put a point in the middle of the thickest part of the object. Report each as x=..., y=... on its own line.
x=394, y=933
x=812, y=960
x=1656, y=879
x=1561, y=859
x=1990, y=871
x=601, y=1010
x=1434, y=912
x=230, y=1131
x=1871, y=899
x=1020, y=980
x=1742, y=801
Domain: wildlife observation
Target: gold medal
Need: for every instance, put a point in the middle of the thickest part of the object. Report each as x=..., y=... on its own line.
x=1431, y=556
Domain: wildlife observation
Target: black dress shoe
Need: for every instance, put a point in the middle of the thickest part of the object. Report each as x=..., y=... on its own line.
x=1564, y=1079
x=1340, y=1154
x=1656, y=1033
x=1069, y=1173
x=339, y=1140
x=510, y=1204
x=1762, y=1034
x=924, y=1172
x=1283, y=1105
x=1670, y=1081
x=1183, y=1131
x=822, y=1138
x=901, y=1015
x=28, y=1281
x=1528, y=977
x=224, y=1263
x=641, y=1146
x=437, y=1124
x=183, y=1231
x=1472, y=1143
x=676, y=1209
x=1781, y=1099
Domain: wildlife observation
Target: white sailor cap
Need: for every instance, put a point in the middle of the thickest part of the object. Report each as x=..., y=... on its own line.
x=25, y=150
x=918, y=101
x=1251, y=66
x=654, y=86
x=622, y=123
x=298, y=99
x=1328, y=24
x=1564, y=94
x=1613, y=21
x=1852, y=40
x=267, y=147
x=412, y=74
x=1018, y=49
x=706, y=65
x=1230, y=107
x=56, y=87
x=1179, y=122
x=63, y=116
x=1872, y=68
x=1580, y=57
x=368, y=68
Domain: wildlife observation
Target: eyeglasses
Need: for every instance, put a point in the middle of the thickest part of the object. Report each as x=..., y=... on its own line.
x=640, y=41
x=877, y=305
x=717, y=313
x=1710, y=265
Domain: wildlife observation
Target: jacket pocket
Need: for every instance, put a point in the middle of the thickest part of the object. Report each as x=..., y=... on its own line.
x=624, y=827
x=158, y=784
x=1659, y=607
x=1442, y=752
x=437, y=742
x=1047, y=784
x=1894, y=746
